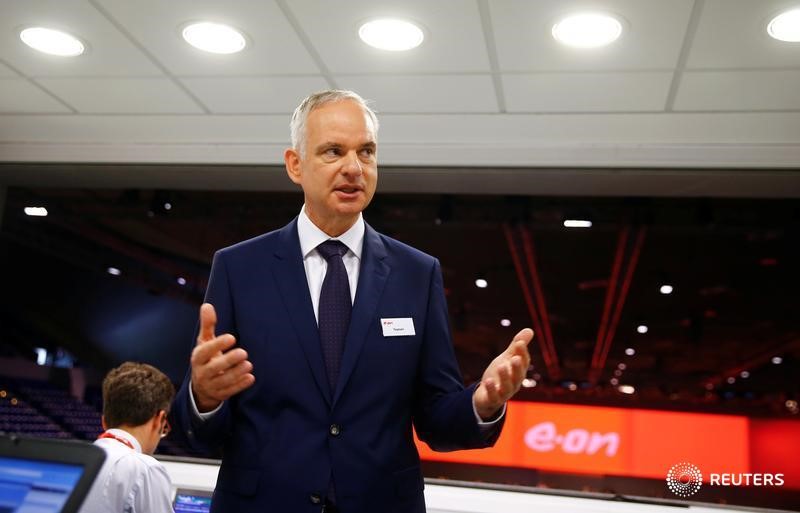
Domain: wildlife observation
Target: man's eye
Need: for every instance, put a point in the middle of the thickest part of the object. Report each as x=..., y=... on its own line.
x=368, y=152
x=332, y=152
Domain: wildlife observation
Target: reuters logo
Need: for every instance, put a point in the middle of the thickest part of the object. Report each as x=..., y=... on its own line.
x=684, y=479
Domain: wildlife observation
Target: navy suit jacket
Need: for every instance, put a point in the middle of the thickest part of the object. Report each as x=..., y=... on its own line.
x=284, y=438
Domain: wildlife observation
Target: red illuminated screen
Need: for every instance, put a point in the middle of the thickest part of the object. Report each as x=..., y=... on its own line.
x=636, y=443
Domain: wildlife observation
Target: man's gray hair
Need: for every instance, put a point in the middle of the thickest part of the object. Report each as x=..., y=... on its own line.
x=297, y=126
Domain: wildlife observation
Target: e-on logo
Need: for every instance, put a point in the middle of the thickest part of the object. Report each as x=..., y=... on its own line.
x=684, y=479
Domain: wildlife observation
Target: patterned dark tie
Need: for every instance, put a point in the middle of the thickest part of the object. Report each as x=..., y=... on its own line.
x=334, y=308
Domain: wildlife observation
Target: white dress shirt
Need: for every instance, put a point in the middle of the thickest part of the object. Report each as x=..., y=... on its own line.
x=129, y=481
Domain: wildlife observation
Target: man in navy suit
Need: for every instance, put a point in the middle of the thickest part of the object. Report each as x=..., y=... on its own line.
x=328, y=341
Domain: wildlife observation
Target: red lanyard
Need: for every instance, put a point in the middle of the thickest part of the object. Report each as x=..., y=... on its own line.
x=117, y=438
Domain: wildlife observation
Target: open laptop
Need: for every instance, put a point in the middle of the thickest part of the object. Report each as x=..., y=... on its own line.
x=192, y=501
x=46, y=476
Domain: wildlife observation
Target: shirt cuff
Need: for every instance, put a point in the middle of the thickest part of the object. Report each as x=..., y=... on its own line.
x=487, y=425
x=207, y=415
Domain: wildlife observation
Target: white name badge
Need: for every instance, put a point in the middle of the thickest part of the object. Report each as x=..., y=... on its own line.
x=398, y=327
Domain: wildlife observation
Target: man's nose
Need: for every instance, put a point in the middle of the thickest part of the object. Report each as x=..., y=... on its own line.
x=352, y=164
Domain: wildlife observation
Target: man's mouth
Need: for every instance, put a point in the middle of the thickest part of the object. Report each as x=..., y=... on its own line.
x=348, y=189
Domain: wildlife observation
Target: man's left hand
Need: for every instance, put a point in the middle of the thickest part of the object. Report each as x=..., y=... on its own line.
x=503, y=377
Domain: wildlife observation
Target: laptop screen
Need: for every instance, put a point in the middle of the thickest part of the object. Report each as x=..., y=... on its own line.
x=38, y=485
x=191, y=501
x=46, y=476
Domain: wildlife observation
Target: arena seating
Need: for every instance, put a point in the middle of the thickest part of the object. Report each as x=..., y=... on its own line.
x=46, y=410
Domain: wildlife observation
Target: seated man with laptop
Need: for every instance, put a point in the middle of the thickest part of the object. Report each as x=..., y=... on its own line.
x=136, y=400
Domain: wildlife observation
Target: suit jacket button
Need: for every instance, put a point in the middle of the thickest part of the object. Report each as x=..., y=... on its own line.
x=335, y=430
x=315, y=498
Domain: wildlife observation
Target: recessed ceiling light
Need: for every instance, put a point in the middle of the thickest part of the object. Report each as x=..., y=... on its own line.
x=528, y=383
x=36, y=211
x=627, y=389
x=481, y=283
x=587, y=30
x=505, y=323
x=731, y=380
x=777, y=360
x=577, y=223
x=785, y=26
x=181, y=280
x=391, y=34
x=214, y=37
x=614, y=381
x=744, y=374
x=666, y=289
x=622, y=366
x=53, y=42
x=642, y=329
x=114, y=271
x=630, y=351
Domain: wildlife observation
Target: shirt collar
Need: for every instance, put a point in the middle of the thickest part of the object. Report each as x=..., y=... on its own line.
x=121, y=433
x=311, y=236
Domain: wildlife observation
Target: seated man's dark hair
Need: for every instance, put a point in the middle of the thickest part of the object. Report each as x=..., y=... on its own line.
x=133, y=393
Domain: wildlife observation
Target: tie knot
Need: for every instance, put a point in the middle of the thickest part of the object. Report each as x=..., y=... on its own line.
x=331, y=247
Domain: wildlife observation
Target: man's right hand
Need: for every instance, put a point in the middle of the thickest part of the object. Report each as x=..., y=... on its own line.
x=218, y=372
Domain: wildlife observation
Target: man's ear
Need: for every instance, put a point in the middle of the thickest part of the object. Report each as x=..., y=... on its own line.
x=292, y=160
x=156, y=420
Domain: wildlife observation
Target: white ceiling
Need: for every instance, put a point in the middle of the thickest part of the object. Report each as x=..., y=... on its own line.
x=690, y=84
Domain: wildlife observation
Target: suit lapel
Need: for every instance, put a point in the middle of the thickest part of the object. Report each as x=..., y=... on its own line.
x=371, y=280
x=290, y=275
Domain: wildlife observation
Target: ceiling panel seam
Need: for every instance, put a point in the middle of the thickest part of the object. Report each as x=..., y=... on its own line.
x=306, y=41
x=42, y=88
x=741, y=69
x=680, y=66
x=491, y=50
x=418, y=114
x=180, y=85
